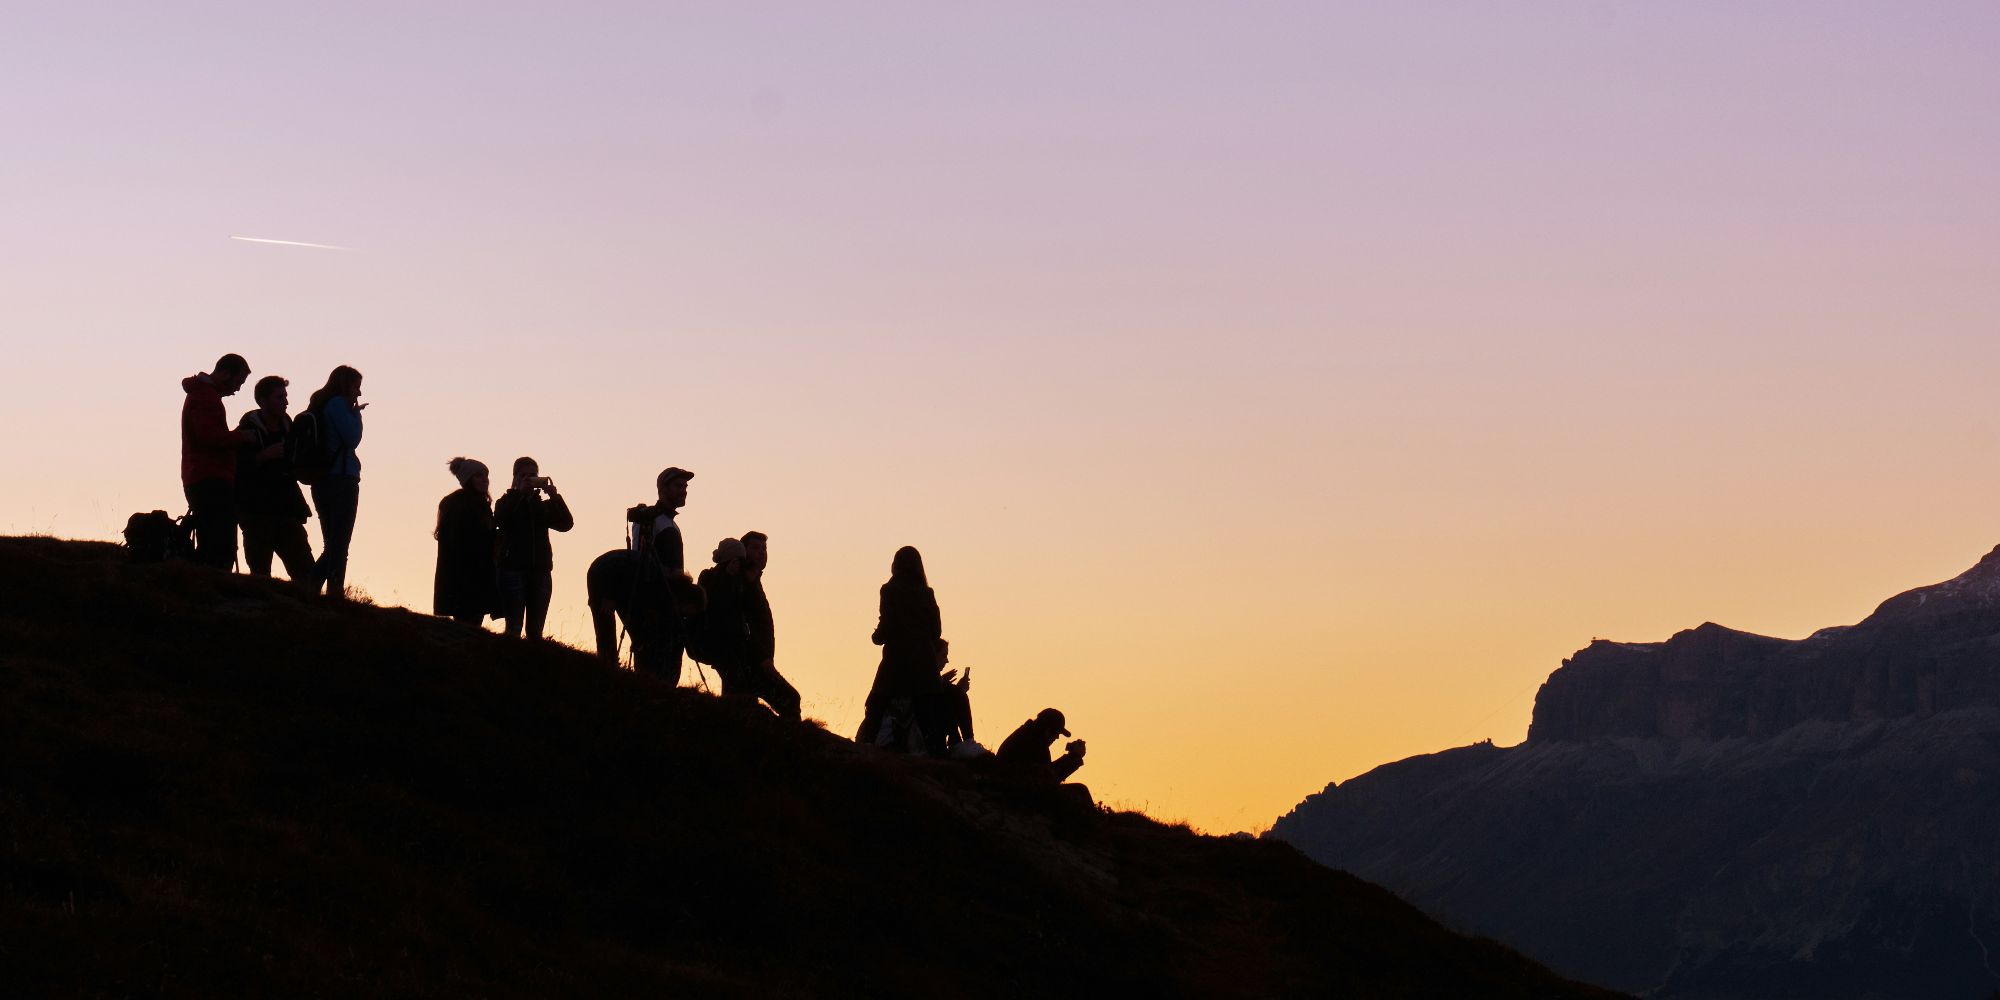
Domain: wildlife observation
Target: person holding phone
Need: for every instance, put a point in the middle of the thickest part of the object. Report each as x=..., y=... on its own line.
x=336, y=407
x=527, y=512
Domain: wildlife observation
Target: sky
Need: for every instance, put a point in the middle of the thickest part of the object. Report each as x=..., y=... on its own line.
x=1278, y=389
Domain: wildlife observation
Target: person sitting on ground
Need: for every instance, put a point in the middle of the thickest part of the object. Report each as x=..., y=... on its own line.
x=908, y=629
x=945, y=714
x=467, y=586
x=208, y=459
x=274, y=509
x=765, y=680
x=1026, y=752
x=526, y=513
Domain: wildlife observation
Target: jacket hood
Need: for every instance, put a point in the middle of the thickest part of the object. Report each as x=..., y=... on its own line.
x=193, y=384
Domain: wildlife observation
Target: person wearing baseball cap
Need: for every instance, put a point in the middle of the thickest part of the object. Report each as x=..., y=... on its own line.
x=672, y=486
x=1027, y=750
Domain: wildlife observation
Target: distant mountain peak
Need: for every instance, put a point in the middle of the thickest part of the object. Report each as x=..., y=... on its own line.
x=1921, y=651
x=1722, y=814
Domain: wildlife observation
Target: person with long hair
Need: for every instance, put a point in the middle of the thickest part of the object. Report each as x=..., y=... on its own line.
x=908, y=631
x=467, y=587
x=336, y=407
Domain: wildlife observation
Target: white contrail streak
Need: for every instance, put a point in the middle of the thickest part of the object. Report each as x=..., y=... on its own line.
x=290, y=243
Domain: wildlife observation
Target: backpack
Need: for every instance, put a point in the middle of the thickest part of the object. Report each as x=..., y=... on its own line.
x=155, y=537
x=306, y=449
x=691, y=604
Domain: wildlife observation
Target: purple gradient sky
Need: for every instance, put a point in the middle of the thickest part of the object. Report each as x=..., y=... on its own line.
x=1280, y=389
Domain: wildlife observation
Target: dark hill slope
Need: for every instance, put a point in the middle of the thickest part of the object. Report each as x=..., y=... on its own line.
x=1723, y=814
x=211, y=786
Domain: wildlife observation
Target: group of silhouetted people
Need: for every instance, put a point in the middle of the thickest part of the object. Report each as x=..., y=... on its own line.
x=494, y=559
x=250, y=477
x=920, y=705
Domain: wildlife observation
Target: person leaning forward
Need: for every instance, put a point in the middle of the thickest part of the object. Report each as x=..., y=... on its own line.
x=208, y=459
x=1026, y=751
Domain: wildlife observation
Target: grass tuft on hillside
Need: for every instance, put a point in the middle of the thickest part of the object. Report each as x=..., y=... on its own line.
x=211, y=785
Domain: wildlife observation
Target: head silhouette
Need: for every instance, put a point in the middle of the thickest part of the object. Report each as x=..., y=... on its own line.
x=270, y=393
x=525, y=470
x=471, y=474
x=907, y=569
x=728, y=553
x=342, y=381
x=229, y=373
x=672, y=485
x=756, y=550
x=1051, y=724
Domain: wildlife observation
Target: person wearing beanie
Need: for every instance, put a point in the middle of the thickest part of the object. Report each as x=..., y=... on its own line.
x=467, y=587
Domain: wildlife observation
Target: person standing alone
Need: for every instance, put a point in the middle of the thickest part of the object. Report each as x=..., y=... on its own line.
x=208, y=459
x=274, y=510
x=526, y=513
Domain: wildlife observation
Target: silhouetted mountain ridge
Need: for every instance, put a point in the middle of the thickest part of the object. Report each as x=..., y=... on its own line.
x=1919, y=651
x=212, y=785
x=1722, y=814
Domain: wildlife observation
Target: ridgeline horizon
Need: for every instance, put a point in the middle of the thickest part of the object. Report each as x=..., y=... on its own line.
x=217, y=784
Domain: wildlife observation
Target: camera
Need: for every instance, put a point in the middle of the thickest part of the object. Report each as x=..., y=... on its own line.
x=642, y=514
x=540, y=482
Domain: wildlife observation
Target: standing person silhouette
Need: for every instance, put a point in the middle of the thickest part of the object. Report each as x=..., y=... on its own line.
x=725, y=622
x=526, y=513
x=468, y=585
x=666, y=592
x=908, y=629
x=765, y=681
x=274, y=510
x=208, y=459
x=337, y=407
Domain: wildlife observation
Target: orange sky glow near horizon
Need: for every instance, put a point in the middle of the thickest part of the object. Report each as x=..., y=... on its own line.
x=1280, y=392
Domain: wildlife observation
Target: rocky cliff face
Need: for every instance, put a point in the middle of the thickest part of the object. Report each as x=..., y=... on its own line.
x=1930, y=648
x=1723, y=814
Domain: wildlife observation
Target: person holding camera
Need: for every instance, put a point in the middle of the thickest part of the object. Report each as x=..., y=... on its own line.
x=1026, y=752
x=526, y=513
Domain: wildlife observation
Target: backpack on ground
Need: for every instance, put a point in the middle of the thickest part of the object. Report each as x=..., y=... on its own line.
x=155, y=536
x=307, y=449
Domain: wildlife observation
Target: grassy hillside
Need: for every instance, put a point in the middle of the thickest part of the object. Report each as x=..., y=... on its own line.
x=211, y=785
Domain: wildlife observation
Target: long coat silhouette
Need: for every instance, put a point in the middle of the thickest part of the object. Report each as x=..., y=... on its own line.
x=468, y=580
x=907, y=631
